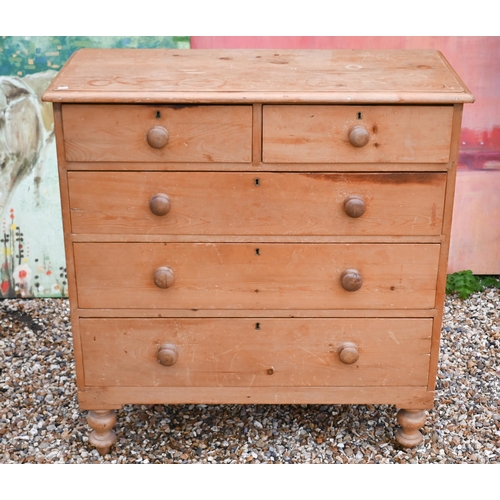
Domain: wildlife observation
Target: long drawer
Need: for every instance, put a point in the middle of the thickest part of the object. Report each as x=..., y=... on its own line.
x=325, y=134
x=221, y=203
x=241, y=352
x=157, y=133
x=256, y=276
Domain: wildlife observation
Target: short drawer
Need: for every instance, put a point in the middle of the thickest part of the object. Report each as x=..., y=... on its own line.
x=244, y=352
x=157, y=133
x=255, y=276
x=221, y=203
x=382, y=134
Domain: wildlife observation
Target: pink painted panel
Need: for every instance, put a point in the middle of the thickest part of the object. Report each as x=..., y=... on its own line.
x=476, y=227
x=475, y=242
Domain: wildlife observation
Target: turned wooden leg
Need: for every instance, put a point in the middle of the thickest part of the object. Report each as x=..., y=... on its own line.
x=410, y=421
x=102, y=436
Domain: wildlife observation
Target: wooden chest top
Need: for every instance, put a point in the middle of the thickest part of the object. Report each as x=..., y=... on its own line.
x=238, y=76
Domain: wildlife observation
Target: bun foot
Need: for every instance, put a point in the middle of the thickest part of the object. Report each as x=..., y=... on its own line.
x=102, y=436
x=410, y=421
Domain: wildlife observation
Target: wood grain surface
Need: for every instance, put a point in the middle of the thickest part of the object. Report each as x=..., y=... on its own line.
x=314, y=133
x=249, y=204
x=115, y=397
x=159, y=75
x=243, y=352
x=108, y=133
x=255, y=276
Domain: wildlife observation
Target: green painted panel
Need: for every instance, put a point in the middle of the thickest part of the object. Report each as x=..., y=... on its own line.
x=31, y=238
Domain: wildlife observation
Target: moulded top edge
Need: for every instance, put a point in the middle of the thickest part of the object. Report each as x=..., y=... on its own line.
x=156, y=75
x=159, y=97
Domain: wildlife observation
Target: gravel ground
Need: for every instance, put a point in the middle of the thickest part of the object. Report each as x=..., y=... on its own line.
x=40, y=421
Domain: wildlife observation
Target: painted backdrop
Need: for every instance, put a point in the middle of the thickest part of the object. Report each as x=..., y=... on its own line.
x=31, y=242
x=31, y=237
x=475, y=236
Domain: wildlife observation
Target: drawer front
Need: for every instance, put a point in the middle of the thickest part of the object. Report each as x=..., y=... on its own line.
x=255, y=276
x=256, y=204
x=191, y=133
x=321, y=134
x=241, y=352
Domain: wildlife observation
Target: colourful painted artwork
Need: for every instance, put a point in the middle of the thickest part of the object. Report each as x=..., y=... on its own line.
x=32, y=260
x=475, y=236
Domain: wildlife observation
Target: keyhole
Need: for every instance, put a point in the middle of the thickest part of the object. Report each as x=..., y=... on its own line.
x=257, y=251
x=257, y=326
x=158, y=115
x=360, y=116
x=257, y=181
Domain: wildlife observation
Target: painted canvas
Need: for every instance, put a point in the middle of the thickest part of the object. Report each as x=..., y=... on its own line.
x=31, y=237
x=475, y=235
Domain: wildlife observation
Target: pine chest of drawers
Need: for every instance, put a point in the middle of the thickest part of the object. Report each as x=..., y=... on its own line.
x=256, y=226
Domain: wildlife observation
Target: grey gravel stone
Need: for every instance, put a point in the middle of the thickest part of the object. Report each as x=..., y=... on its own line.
x=40, y=421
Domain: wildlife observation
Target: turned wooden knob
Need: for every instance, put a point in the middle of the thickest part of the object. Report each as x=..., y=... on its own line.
x=157, y=137
x=354, y=206
x=351, y=280
x=164, y=277
x=359, y=136
x=167, y=354
x=348, y=353
x=160, y=204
